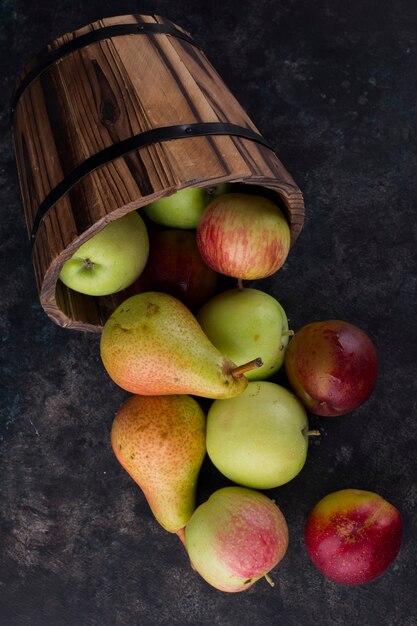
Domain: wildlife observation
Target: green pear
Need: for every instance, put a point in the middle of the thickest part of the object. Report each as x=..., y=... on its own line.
x=235, y=538
x=153, y=345
x=160, y=442
x=244, y=324
x=259, y=439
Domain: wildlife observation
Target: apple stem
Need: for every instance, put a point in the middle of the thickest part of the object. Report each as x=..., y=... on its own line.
x=269, y=580
x=313, y=433
x=240, y=284
x=288, y=333
x=238, y=372
x=88, y=264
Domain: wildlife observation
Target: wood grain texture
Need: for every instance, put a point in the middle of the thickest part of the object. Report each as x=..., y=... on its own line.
x=102, y=94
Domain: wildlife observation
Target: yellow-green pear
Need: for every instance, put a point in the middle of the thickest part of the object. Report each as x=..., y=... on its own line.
x=153, y=345
x=160, y=442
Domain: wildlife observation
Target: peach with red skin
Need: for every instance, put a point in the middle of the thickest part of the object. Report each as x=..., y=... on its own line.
x=352, y=536
x=175, y=267
x=331, y=366
x=236, y=538
x=243, y=236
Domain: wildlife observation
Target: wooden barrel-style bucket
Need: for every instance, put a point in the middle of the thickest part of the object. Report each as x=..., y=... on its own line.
x=111, y=117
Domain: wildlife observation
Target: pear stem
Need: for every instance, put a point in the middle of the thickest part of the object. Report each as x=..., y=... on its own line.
x=287, y=333
x=181, y=536
x=238, y=372
x=269, y=580
x=240, y=284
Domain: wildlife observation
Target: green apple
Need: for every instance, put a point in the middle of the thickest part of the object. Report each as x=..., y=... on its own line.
x=184, y=208
x=258, y=439
x=245, y=324
x=111, y=260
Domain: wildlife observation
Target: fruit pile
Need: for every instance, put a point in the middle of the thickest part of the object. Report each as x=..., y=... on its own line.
x=182, y=334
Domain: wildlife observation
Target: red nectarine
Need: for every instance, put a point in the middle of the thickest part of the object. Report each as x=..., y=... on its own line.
x=331, y=366
x=352, y=536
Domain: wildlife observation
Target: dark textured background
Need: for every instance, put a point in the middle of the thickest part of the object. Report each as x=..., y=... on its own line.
x=332, y=85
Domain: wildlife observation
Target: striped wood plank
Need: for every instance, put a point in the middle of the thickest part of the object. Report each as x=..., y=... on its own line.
x=104, y=93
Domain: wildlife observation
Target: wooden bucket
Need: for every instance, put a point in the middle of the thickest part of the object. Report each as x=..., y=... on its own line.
x=111, y=117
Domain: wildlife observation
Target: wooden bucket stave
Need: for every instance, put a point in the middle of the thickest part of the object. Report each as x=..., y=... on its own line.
x=98, y=97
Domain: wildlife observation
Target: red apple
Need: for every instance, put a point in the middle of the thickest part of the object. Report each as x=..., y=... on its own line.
x=175, y=267
x=331, y=366
x=352, y=536
x=243, y=236
x=235, y=538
